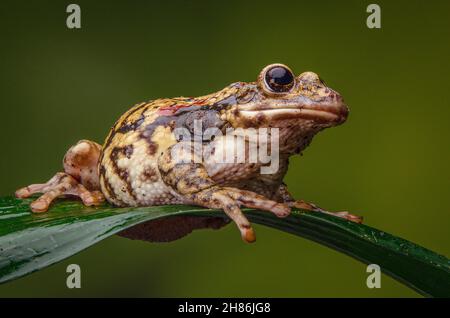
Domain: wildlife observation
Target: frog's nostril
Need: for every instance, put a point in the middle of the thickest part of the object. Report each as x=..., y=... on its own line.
x=332, y=94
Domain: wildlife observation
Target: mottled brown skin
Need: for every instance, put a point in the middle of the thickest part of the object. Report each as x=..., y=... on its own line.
x=135, y=166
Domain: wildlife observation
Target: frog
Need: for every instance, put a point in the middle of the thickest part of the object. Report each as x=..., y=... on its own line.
x=136, y=165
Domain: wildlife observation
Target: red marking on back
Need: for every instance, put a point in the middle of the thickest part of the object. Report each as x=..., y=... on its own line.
x=172, y=109
x=199, y=102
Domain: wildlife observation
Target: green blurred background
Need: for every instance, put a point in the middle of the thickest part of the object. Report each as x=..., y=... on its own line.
x=389, y=162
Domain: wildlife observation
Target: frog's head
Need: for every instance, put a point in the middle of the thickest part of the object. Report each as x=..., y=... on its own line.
x=300, y=106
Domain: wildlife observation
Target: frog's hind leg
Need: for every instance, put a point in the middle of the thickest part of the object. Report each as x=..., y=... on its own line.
x=80, y=178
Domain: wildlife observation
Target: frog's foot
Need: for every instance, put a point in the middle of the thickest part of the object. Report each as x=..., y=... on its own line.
x=312, y=207
x=61, y=184
x=230, y=200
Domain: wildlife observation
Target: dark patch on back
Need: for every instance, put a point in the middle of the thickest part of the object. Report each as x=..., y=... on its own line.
x=122, y=173
x=131, y=126
x=152, y=148
x=128, y=126
x=108, y=188
x=225, y=103
x=148, y=131
x=128, y=151
x=150, y=174
x=208, y=118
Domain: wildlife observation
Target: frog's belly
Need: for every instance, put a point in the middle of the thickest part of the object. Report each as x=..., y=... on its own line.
x=141, y=188
x=154, y=193
x=129, y=176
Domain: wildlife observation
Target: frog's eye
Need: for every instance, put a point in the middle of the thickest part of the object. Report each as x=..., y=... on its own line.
x=278, y=78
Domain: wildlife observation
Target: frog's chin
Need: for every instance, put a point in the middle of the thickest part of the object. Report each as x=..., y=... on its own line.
x=328, y=116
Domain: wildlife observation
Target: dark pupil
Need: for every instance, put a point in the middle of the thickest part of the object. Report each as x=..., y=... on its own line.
x=279, y=79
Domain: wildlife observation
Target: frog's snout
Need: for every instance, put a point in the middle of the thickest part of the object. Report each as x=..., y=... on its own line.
x=335, y=102
x=343, y=112
x=323, y=98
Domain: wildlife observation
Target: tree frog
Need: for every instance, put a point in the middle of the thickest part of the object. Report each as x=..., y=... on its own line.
x=136, y=166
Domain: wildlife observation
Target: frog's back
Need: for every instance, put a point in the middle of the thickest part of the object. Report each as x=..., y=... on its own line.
x=128, y=170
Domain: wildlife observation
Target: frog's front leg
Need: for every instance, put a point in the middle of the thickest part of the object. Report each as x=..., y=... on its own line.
x=286, y=197
x=80, y=178
x=191, y=180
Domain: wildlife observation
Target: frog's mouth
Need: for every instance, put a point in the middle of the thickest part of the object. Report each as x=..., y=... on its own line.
x=332, y=114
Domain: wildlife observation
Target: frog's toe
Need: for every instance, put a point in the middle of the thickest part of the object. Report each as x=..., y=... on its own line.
x=257, y=201
x=28, y=191
x=39, y=206
x=61, y=184
x=248, y=235
x=43, y=202
x=281, y=210
x=312, y=207
x=23, y=193
x=90, y=198
x=346, y=215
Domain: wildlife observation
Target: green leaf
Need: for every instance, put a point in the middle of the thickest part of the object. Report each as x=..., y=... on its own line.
x=29, y=242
